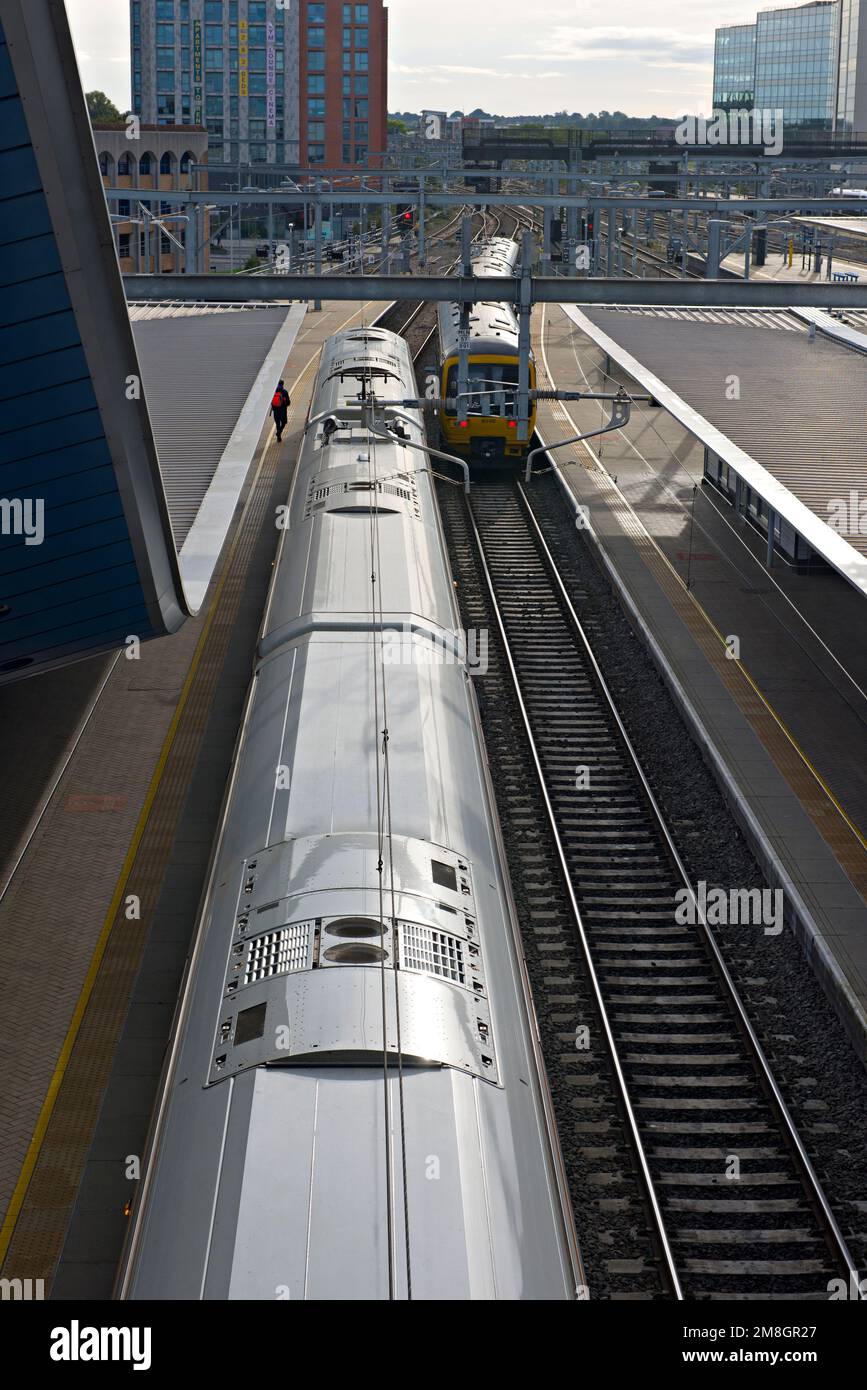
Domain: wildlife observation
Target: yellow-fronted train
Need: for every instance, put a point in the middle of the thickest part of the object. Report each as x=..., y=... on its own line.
x=483, y=426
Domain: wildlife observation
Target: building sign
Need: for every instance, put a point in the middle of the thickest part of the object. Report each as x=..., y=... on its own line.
x=243, y=58
x=271, y=62
x=197, y=72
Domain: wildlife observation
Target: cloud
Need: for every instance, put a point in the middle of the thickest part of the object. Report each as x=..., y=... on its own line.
x=100, y=31
x=447, y=70
x=614, y=42
x=442, y=67
x=513, y=58
x=679, y=67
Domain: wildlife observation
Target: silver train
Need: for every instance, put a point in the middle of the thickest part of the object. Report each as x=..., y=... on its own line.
x=354, y=1104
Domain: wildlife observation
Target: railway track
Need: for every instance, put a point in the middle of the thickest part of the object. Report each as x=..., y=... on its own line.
x=417, y=322
x=688, y=1176
x=658, y=264
x=662, y=268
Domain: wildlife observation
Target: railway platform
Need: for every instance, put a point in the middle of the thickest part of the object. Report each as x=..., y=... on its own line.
x=783, y=725
x=777, y=268
x=116, y=774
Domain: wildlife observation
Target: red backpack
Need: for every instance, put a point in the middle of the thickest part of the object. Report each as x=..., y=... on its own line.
x=277, y=402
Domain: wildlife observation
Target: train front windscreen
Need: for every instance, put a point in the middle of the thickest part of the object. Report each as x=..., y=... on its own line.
x=492, y=387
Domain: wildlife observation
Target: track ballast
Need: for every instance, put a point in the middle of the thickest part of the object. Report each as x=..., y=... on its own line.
x=687, y=1175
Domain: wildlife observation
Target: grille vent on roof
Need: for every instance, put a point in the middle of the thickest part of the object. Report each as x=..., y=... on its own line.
x=278, y=952
x=433, y=952
x=319, y=494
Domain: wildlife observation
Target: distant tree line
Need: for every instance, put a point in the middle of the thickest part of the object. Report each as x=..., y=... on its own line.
x=602, y=120
x=103, y=110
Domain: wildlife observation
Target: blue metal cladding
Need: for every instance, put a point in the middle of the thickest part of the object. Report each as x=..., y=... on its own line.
x=75, y=589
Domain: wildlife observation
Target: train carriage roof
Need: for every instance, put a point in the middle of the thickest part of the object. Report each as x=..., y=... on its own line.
x=493, y=326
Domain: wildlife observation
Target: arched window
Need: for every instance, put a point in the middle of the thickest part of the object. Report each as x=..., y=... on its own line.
x=146, y=163
x=125, y=166
x=187, y=161
x=106, y=164
x=167, y=163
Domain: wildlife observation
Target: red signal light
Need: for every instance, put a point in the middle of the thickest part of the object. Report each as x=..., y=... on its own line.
x=463, y=424
x=513, y=424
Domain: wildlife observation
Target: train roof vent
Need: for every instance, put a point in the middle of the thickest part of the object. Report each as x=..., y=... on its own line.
x=363, y=509
x=454, y=955
x=319, y=979
x=341, y=496
x=277, y=952
x=433, y=952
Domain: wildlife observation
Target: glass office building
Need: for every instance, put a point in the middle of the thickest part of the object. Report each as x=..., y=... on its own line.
x=734, y=67
x=852, y=95
x=796, y=63
x=274, y=83
x=804, y=64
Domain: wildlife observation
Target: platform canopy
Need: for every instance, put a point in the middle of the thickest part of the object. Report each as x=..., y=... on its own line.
x=776, y=394
x=854, y=227
x=91, y=551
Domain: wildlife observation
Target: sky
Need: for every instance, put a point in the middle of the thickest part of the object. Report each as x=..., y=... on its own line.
x=644, y=59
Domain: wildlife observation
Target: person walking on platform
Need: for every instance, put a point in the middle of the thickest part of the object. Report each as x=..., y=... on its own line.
x=280, y=404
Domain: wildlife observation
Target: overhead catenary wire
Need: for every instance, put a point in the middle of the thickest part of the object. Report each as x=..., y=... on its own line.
x=380, y=638
x=389, y=1179
x=385, y=836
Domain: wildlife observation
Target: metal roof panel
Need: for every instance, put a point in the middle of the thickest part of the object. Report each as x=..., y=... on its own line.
x=796, y=432
x=198, y=372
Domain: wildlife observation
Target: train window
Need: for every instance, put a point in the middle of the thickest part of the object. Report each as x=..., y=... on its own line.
x=493, y=388
x=444, y=875
x=251, y=1024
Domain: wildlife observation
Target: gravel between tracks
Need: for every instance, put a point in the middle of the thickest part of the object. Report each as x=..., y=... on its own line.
x=821, y=1077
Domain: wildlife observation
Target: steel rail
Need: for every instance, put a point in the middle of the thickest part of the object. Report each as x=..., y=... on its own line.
x=423, y=304
x=635, y=1134
x=809, y=1177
